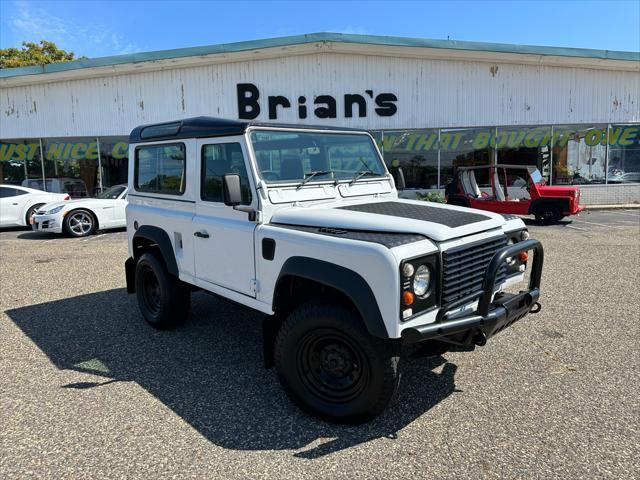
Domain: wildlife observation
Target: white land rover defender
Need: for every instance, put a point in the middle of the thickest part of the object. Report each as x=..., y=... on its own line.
x=305, y=225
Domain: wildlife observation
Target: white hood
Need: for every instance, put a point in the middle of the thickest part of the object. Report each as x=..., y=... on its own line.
x=434, y=220
x=80, y=202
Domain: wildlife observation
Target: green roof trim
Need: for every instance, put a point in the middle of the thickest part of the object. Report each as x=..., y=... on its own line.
x=319, y=37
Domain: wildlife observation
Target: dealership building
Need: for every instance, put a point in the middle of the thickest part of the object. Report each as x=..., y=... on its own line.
x=432, y=105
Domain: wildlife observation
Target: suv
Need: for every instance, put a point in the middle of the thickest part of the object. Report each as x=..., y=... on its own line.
x=512, y=189
x=304, y=224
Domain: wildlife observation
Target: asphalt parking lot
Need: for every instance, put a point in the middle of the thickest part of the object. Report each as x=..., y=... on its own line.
x=88, y=390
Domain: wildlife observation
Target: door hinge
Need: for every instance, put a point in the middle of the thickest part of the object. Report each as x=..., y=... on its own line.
x=254, y=285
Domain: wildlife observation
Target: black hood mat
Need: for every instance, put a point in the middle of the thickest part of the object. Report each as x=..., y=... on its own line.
x=388, y=239
x=449, y=218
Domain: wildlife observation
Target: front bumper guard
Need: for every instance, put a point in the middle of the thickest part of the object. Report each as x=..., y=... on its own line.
x=490, y=317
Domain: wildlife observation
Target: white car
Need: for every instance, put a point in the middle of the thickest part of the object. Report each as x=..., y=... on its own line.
x=17, y=204
x=82, y=217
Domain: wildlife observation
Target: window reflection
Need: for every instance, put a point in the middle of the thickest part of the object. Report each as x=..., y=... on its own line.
x=624, y=154
x=526, y=146
x=71, y=166
x=21, y=163
x=466, y=147
x=579, y=154
x=414, y=155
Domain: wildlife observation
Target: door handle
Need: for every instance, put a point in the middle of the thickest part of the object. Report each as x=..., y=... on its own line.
x=201, y=234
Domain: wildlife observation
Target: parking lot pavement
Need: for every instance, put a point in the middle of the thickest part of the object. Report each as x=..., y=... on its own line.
x=88, y=390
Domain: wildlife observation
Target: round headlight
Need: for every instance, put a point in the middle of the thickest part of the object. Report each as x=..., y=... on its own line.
x=524, y=235
x=422, y=280
x=407, y=270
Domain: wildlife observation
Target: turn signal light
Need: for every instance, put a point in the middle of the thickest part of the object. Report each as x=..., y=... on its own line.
x=524, y=256
x=407, y=298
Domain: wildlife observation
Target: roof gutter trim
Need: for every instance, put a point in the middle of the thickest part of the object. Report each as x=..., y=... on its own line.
x=320, y=38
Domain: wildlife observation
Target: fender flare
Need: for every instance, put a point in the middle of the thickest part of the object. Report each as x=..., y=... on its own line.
x=345, y=281
x=561, y=202
x=160, y=238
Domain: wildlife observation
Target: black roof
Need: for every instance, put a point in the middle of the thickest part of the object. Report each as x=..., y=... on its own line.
x=198, y=127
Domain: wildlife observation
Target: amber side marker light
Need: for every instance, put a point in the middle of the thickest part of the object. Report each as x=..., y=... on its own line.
x=407, y=298
x=524, y=256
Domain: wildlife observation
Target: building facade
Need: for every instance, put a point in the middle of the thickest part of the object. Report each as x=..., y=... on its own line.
x=431, y=105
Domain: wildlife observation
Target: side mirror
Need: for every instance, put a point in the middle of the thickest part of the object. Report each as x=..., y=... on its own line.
x=231, y=189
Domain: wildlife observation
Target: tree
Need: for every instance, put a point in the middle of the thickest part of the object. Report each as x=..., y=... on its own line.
x=32, y=53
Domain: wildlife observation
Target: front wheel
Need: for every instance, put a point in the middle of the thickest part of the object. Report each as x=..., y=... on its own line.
x=331, y=367
x=163, y=299
x=548, y=214
x=80, y=223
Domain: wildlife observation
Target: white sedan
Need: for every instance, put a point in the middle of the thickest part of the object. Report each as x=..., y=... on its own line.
x=84, y=216
x=17, y=204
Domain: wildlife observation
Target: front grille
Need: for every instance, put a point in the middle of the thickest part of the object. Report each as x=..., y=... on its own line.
x=464, y=268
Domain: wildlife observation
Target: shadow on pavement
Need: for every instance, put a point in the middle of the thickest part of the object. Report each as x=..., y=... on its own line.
x=210, y=371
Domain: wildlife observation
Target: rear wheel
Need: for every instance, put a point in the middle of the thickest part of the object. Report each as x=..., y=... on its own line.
x=548, y=214
x=331, y=367
x=163, y=299
x=80, y=223
x=31, y=212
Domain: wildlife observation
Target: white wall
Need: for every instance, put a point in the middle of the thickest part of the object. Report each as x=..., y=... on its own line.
x=431, y=93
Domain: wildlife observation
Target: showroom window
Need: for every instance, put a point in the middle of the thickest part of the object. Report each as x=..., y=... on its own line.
x=579, y=154
x=160, y=168
x=71, y=166
x=624, y=154
x=114, y=161
x=527, y=146
x=414, y=155
x=21, y=162
x=466, y=147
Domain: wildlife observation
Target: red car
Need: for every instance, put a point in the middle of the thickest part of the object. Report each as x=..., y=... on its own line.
x=514, y=189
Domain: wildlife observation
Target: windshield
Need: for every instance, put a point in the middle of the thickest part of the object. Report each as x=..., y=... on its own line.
x=536, y=176
x=113, y=192
x=293, y=157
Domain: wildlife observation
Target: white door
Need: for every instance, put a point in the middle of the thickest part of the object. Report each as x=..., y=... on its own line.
x=224, y=237
x=11, y=202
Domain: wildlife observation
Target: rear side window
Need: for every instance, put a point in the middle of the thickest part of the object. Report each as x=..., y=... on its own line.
x=217, y=160
x=160, y=168
x=6, y=192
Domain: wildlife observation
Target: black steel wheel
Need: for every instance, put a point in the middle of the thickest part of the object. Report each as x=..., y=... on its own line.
x=163, y=299
x=331, y=367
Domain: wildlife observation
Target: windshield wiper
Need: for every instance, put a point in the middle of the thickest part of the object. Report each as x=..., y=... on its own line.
x=361, y=174
x=310, y=177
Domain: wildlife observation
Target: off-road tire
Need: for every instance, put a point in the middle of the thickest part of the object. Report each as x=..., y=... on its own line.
x=163, y=299
x=74, y=223
x=331, y=367
x=547, y=214
x=31, y=211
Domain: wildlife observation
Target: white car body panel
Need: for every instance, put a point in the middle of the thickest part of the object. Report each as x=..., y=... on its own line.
x=13, y=210
x=230, y=262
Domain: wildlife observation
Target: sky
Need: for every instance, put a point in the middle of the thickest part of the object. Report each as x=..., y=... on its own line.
x=102, y=28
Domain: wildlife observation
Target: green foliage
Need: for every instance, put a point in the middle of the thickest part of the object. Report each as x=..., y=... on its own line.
x=33, y=53
x=430, y=197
